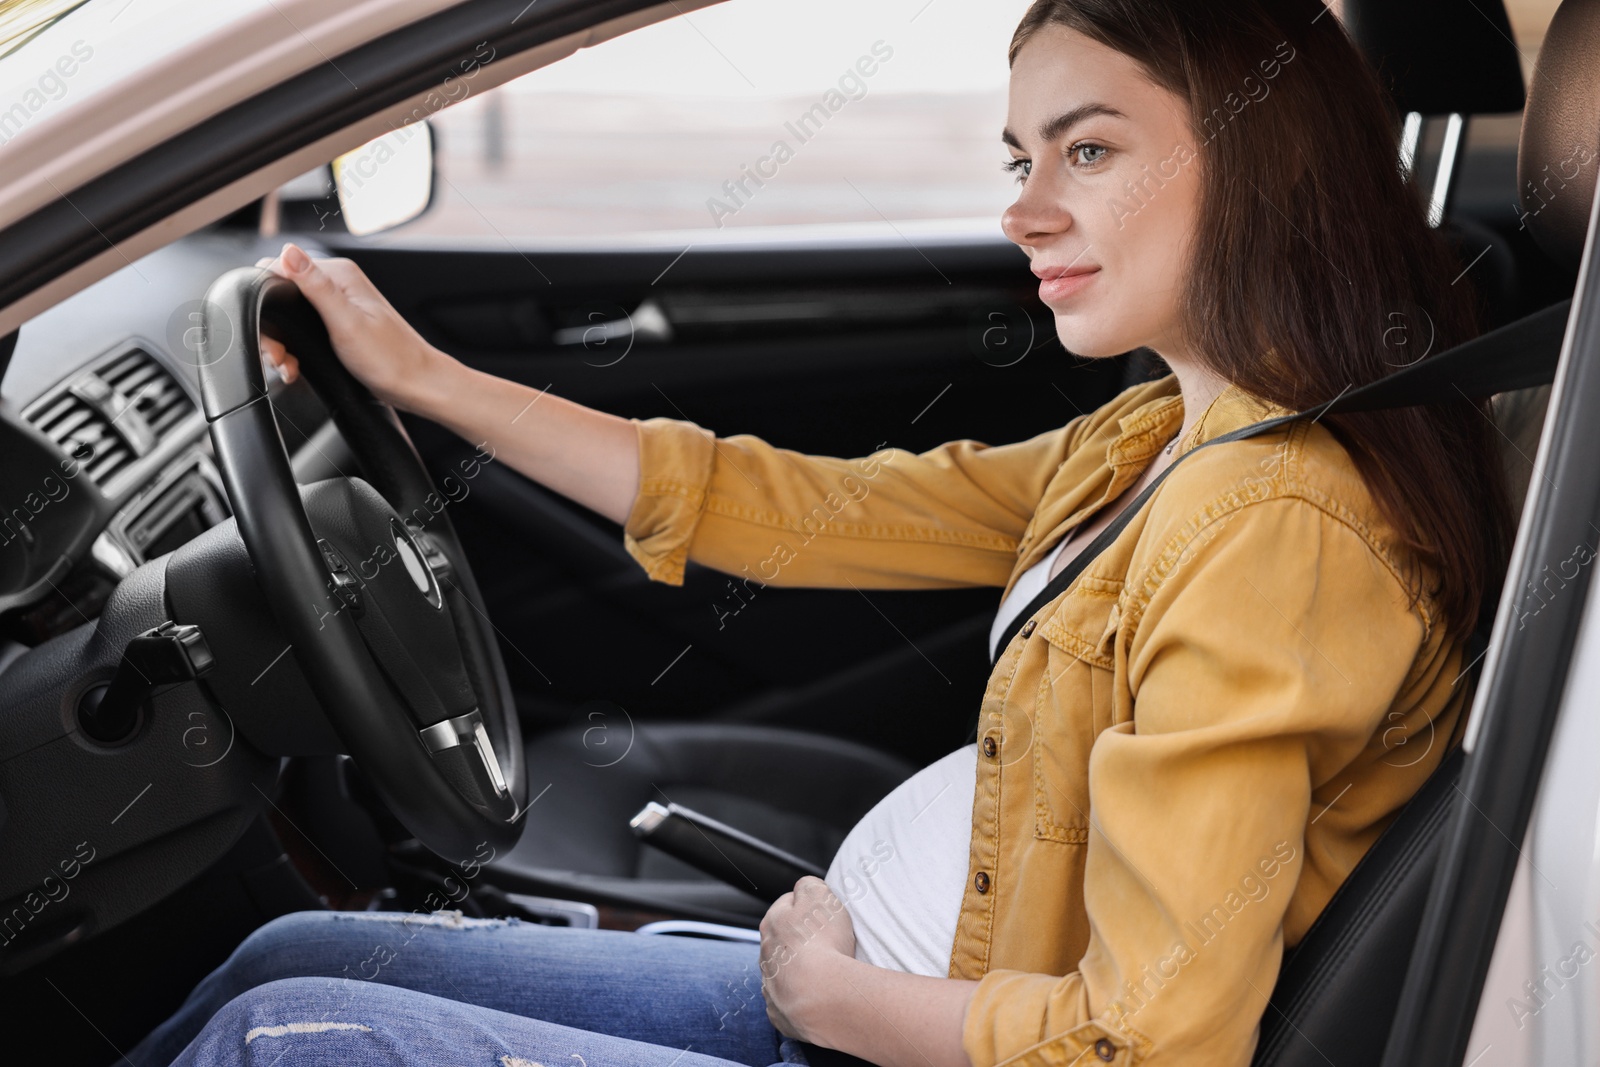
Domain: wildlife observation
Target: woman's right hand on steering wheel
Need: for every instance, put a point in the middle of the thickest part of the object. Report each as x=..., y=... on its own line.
x=372, y=340
x=586, y=455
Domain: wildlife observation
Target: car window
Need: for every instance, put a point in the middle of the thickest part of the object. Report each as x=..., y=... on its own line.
x=752, y=113
x=761, y=113
x=1529, y=19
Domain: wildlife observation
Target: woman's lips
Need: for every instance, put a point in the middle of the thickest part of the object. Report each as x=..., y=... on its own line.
x=1062, y=286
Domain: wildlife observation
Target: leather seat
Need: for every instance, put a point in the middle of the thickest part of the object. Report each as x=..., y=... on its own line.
x=800, y=791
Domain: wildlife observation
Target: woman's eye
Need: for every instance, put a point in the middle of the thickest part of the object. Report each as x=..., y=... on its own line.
x=1020, y=167
x=1077, y=152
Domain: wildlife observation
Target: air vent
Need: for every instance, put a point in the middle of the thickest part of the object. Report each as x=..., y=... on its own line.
x=81, y=431
x=155, y=395
x=110, y=416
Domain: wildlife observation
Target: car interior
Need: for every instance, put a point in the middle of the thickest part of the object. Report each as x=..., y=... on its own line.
x=785, y=714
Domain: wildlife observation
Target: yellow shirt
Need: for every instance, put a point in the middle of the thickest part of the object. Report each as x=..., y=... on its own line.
x=1182, y=756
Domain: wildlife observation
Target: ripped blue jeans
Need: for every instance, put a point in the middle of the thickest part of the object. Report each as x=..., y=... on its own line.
x=368, y=988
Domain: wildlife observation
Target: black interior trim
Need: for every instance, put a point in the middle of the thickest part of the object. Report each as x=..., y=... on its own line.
x=8, y=346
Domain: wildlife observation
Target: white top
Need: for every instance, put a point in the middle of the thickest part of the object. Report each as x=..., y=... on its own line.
x=1034, y=579
x=902, y=869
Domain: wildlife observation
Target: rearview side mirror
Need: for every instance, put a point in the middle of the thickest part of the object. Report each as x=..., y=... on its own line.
x=386, y=182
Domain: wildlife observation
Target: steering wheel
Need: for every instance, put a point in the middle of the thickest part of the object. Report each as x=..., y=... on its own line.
x=367, y=580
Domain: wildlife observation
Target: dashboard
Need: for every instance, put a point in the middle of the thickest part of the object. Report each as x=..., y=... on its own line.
x=104, y=457
x=106, y=467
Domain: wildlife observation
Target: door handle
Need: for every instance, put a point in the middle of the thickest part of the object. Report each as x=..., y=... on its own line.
x=647, y=322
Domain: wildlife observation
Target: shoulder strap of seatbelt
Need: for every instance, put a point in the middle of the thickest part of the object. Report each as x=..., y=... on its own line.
x=1515, y=356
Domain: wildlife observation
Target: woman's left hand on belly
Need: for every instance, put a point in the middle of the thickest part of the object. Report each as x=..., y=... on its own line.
x=805, y=933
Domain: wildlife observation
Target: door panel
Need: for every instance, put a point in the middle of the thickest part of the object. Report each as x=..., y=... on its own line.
x=828, y=349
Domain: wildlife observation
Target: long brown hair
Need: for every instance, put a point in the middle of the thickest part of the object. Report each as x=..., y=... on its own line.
x=1311, y=258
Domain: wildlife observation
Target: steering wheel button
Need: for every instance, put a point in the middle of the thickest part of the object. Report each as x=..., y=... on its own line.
x=432, y=554
x=348, y=591
x=331, y=557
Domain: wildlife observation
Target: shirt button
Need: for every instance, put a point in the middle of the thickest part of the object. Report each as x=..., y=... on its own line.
x=1105, y=1050
x=989, y=747
x=981, y=882
x=1027, y=627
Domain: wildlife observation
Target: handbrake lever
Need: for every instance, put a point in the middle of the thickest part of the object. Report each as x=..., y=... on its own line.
x=744, y=862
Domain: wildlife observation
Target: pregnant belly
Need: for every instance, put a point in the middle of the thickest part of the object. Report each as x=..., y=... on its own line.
x=902, y=869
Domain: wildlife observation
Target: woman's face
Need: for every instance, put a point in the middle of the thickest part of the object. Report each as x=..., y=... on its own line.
x=1109, y=192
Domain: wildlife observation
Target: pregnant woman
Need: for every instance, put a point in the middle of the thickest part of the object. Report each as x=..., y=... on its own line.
x=1177, y=761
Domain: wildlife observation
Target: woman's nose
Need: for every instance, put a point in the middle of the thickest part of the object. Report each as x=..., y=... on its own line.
x=1036, y=214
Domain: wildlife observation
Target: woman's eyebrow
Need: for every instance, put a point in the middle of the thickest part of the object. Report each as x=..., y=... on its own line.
x=1063, y=122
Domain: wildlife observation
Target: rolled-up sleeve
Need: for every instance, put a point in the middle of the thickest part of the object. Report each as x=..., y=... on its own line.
x=1260, y=677
x=675, y=466
x=949, y=517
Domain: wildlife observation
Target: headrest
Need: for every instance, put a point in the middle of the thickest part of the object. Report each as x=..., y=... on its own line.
x=1560, y=148
x=1440, y=57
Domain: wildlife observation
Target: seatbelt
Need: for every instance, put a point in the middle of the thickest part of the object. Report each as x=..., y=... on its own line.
x=1515, y=356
